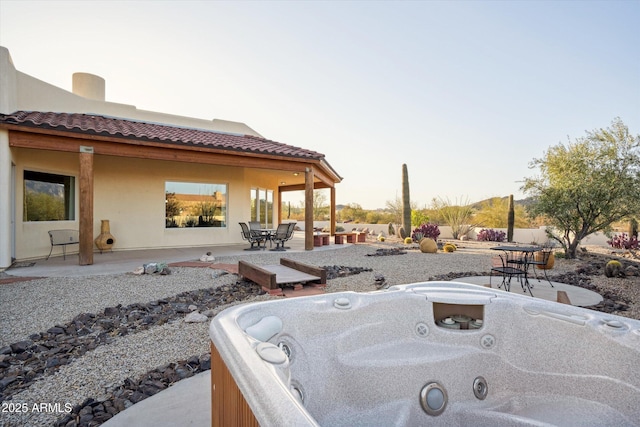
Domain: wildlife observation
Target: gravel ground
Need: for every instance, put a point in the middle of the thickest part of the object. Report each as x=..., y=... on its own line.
x=35, y=306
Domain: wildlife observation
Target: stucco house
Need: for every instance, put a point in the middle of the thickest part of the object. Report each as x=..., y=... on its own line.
x=71, y=159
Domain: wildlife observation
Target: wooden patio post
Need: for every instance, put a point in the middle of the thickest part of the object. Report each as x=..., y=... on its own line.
x=308, y=209
x=86, y=206
x=332, y=213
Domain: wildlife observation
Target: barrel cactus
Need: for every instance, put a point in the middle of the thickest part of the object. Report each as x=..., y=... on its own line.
x=408, y=240
x=428, y=246
x=449, y=247
x=614, y=269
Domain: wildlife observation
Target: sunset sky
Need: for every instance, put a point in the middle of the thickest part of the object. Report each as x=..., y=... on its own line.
x=465, y=93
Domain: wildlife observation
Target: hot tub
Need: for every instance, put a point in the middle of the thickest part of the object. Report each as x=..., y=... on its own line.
x=435, y=353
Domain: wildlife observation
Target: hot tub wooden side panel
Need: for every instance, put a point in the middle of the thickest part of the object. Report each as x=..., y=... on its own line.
x=228, y=406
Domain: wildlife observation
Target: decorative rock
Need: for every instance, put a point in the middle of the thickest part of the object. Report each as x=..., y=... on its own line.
x=21, y=346
x=138, y=271
x=193, y=307
x=150, y=268
x=428, y=245
x=207, y=257
x=195, y=317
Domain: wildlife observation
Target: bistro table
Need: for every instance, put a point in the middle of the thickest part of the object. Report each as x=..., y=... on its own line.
x=519, y=258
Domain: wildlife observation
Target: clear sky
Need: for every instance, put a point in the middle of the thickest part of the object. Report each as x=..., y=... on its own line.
x=465, y=93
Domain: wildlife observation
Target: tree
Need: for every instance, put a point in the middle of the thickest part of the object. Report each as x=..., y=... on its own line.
x=587, y=185
x=320, y=207
x=494, y=213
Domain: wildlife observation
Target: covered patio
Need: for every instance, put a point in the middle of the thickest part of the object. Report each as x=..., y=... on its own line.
x=121, y=166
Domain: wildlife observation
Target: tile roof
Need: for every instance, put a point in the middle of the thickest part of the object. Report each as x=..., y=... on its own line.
x=134, y=130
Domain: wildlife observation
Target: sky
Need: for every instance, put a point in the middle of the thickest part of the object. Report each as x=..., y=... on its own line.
x=465, y=93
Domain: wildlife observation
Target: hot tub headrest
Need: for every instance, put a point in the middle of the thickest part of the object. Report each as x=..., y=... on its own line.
x=265, y=329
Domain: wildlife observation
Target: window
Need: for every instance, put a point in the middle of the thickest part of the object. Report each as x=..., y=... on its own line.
x=48, y=197
x=190, y=204
x=262, y=206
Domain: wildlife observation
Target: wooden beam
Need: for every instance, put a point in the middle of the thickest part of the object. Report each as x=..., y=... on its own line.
x=86, y=206
x=308, y=209
x=306, y=268
x=332, y=213
x=161, y=151
x=264, y=278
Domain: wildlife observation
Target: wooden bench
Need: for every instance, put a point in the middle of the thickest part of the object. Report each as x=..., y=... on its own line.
x=272, y=277
x=351, y=237
x=321, y=239
x=362, y=236
x=63, y=238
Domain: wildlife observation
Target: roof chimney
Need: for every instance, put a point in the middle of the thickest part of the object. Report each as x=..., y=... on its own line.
x=88, y=86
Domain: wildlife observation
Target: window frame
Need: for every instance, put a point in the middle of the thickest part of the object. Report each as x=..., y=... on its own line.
x=192, y=220
x=70, y=191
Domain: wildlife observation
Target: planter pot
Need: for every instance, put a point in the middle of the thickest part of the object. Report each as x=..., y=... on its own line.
x=539, y=257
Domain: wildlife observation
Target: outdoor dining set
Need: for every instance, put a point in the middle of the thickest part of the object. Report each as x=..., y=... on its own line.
x=258, y=236
x=515, y=261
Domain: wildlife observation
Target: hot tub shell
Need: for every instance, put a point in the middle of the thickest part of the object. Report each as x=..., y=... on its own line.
x=364, y=358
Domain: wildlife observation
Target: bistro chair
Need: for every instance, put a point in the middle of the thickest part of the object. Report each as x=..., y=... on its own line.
x=541, y=261
x=252, y=237
x=255, y=226
x=501, y=265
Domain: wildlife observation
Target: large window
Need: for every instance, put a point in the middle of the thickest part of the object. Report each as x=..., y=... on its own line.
x=262, y=206
x=189, y=204
x=48, y=197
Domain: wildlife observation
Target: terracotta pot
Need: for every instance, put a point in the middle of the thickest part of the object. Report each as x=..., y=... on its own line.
x=539, y=257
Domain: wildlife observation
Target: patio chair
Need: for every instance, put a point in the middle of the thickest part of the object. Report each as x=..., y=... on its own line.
x=501, y=265
x=280, y=237
x=542, y=261
x=252, y=237
x=255, y=225
x=292, y=226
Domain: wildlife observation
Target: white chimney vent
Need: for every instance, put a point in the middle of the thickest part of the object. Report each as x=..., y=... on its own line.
x=89, y=86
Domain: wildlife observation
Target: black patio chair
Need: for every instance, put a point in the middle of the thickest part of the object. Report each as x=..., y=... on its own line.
x=255, y=226
x=502, y=266
x=280, y=237
x=252, y=237
x=541, y=261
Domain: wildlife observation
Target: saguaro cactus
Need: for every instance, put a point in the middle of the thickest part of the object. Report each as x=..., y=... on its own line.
x=633, y=228
x=511, y=219
x=406, y=203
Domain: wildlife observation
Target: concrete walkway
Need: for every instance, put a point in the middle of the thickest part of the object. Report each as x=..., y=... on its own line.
x=126, y=261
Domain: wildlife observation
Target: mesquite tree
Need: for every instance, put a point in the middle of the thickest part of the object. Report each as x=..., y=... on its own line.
x=585, y=186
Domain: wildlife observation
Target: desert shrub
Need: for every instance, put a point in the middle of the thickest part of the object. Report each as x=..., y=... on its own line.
x=429, y=230
x=622, y=241
x=490, y=235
